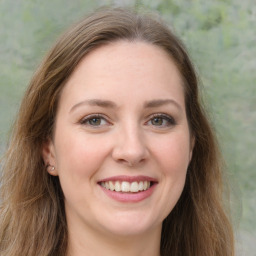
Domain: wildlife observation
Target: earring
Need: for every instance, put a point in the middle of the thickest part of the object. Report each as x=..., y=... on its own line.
x=52, y=168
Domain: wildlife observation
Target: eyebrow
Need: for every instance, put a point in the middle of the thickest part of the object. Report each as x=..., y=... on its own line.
x=111, y=104
x=95, y=102
x=161, y=102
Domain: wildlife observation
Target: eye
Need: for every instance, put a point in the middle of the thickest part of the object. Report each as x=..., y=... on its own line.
x=161, y=120
x=94, y=121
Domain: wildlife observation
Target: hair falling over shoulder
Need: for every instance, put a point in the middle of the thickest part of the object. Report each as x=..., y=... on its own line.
x=32, y=215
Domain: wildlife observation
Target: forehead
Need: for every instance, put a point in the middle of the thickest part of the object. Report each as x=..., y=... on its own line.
x=125, y=69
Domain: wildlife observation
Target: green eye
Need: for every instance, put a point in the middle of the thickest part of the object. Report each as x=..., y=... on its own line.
x=95, y=121
x=161, y=121
x=157, y=121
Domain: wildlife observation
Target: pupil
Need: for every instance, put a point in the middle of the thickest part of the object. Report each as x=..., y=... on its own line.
x=157, y=121
x=95, y=121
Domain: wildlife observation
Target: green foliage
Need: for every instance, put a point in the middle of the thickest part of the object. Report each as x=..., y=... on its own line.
x=220, y=36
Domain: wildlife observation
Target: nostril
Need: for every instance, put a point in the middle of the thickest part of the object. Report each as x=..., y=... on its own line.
x=131, y=162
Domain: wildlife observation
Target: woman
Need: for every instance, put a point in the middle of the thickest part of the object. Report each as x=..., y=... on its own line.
x=112, y=153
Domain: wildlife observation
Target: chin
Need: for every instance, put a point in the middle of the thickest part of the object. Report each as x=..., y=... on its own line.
x=131, y=225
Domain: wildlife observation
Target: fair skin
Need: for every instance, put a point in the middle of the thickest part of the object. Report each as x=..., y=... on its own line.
x=121, y=149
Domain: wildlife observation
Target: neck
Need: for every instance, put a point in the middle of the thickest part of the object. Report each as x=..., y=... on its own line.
x=90, y=243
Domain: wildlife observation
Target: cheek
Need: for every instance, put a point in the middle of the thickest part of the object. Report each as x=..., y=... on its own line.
x=79, y=158
x=79, y=155
x=172, y=157
x=174, y=154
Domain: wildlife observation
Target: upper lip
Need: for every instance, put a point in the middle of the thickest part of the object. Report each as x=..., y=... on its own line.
x=129, y=178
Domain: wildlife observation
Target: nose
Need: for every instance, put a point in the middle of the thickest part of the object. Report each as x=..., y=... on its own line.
x=130, y=147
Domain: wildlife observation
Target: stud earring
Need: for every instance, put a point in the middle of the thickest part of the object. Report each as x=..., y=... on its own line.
x=50, y=168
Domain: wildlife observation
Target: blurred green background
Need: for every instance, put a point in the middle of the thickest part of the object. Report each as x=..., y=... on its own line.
x=221, y=38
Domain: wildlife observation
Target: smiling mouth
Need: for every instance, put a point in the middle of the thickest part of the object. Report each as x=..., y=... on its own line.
x=125, y=186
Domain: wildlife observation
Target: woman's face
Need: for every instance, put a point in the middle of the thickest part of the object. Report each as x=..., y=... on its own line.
x=122, y=144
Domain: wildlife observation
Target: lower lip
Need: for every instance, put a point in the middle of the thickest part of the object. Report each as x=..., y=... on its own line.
x=129, y=197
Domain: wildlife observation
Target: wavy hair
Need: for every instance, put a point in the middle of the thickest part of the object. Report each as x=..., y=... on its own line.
x=32, y=215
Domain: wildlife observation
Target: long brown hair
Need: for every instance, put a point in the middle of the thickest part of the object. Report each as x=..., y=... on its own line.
x=32, y=216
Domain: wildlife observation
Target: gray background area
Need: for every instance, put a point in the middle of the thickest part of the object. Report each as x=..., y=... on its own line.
x=221, y=38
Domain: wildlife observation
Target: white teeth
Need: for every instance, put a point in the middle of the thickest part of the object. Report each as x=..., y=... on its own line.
x=125, y=186
x=111, y=186
x=117, y=186
x=141, y=185
x=134, y=187
x=145, y=185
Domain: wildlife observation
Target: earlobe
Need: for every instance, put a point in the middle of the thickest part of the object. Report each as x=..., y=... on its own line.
x=48, y=154
x=51, y=170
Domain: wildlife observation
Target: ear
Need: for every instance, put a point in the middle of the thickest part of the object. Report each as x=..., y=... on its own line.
x=49, y=157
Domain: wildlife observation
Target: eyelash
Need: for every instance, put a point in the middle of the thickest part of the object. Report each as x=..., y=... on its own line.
x=87, y=119
x=170, y=120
